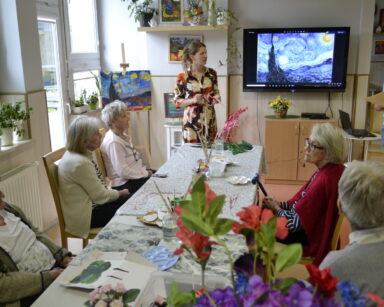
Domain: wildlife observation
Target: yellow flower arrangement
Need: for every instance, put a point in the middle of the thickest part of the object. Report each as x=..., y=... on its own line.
x=280, y=104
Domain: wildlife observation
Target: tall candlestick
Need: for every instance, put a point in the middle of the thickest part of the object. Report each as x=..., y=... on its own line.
x=123, y=52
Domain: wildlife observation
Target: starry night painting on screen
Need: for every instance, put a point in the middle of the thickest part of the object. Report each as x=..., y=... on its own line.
x=295, y=58
x=131, y=87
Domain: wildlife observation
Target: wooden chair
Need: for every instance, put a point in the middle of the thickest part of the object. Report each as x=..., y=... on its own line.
x=51, y=170
x=99, y=158
x=334, y=240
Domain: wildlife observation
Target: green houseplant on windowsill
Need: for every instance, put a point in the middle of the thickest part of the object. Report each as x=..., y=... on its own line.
x=78, y=106
x=92, y=101
x=142, y=11
x=11, y=119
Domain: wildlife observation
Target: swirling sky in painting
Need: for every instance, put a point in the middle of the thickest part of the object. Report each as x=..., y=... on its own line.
x=302, y=57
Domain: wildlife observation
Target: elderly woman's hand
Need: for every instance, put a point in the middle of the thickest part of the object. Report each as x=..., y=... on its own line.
x=66, y=260
x=272, y=204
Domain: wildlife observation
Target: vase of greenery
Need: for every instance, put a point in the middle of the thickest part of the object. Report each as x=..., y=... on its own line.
x=142, y=11
x=194, y=12
x=78, y=106
x=10, y=117
x=92, y=101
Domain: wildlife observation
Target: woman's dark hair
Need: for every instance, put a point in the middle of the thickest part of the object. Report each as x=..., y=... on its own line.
x=191, y=49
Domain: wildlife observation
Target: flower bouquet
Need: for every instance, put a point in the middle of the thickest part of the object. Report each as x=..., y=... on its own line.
x=194, y=12
x=253, y=275
x=280, y=106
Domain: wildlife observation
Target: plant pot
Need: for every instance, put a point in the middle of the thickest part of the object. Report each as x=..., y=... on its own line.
x=92, y=106
x=222, y=19
x=144, y=19
x=7, y=137
x=195, y=20
x=281, y=114
x=79, y=110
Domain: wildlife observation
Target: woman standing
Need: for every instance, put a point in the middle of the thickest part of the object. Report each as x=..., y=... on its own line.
x=197, y=92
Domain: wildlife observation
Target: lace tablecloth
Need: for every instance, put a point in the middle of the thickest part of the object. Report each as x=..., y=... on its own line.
x=179, y=170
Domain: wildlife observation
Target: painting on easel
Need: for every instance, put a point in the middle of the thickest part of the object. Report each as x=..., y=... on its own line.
x=131, y=87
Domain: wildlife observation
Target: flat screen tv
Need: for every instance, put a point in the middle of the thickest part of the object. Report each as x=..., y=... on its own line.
x=291, y=59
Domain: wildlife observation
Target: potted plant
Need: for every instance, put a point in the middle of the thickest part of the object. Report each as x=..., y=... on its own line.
x=193, y=14
x=280, y=106
x=78, y=105
x=11, y=115
x=142, y=11
x=92, y=101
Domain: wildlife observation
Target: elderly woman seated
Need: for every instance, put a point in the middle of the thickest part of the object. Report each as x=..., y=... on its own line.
x=85, y=199
x=361, y=194
x=122, y=161
x=29, y=261
x=312, y=213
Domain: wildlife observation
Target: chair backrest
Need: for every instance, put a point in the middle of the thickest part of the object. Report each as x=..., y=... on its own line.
x=336, y=233
x=99, y=157
x=51, y=170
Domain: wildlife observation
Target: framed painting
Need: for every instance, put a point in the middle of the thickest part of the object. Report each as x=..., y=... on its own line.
x=177, y=44
x=378, y=48
x=171, y=11
x=170, y=108
x=132, y=87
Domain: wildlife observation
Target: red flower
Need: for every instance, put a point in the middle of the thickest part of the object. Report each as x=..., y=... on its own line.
x=377, y=299
x=200, y=244
x=250, y=216
x=323, y=279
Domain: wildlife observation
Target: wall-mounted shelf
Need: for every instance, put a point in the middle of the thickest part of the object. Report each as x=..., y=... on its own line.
x=182, y=28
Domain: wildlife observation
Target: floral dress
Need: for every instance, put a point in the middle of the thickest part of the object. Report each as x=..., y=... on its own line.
x=200, y=118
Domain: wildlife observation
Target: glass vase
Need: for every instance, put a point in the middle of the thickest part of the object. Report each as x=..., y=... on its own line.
x=169, y=227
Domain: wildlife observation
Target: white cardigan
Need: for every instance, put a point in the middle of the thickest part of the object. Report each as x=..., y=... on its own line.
x=120, y=162
x=79, y=188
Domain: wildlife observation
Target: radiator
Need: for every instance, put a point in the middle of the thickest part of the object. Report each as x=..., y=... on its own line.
x=21, y=188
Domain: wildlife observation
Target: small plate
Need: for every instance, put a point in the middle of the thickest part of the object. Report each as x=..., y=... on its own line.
x=162, y=257
x=152, y=218
x=238, y=180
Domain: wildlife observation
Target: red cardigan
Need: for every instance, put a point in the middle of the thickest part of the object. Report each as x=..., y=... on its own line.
x=317, y=210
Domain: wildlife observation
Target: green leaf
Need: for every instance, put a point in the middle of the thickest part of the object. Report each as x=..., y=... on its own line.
x=131, y=295
x=177, y=298
x=288, y=256
x=196, y=224
x=215, y=208
x=222, y=226
x=285, y=284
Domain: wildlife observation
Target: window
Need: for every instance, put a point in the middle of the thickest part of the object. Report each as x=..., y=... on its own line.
x=84, y=81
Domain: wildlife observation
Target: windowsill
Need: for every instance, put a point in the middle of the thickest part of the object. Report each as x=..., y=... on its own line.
x=15, y=147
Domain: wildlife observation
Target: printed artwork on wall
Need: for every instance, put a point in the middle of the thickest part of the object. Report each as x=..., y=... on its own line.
x=170, y=108
x=177, y=44
x=131, y=87
x=171, y=11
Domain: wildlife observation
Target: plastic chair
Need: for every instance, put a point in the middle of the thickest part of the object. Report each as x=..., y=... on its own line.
x=334, y=241
x=51, y=168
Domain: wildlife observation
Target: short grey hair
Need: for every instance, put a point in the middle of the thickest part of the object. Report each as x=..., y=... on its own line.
x=80, y=131
x=111, y=111
x=332, y=138
x=361, y=194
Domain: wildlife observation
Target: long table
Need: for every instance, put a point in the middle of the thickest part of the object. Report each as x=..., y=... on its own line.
x=125, y=233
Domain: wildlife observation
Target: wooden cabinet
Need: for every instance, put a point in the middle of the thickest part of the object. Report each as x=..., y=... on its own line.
x=284, y=149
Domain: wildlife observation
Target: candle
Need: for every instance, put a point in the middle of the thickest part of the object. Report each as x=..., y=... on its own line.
x=123, y=52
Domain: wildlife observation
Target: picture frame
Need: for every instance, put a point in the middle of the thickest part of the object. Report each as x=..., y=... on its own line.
x=378, y=48
x=177, y=44
x=170, y=108
x=171, y=11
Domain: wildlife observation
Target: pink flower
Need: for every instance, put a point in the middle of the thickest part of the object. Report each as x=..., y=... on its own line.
x=231, y=123
x=120, y=288
x=106, y=288
x=94, y=295
x=101, y=304
x=116, y=303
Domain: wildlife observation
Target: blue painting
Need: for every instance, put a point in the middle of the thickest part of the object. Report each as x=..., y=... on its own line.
x=290, y=57
x=131, y=87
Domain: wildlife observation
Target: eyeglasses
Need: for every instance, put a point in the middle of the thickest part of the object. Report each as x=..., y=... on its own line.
x=311, y=145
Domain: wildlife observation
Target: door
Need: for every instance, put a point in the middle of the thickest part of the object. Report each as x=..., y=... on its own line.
x=52, y=51
x=281, y=148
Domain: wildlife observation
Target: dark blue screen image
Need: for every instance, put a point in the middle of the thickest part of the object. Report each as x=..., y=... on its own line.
x=285, y=58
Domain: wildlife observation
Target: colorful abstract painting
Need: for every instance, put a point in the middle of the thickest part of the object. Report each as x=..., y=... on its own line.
x=131, y=87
